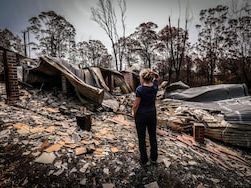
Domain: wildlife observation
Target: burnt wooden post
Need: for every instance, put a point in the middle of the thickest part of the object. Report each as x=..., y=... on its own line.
x=10, y=73
x=64, y=84
x=199, y=132
x=84, y=122
x=67, y=88
x=109, y=80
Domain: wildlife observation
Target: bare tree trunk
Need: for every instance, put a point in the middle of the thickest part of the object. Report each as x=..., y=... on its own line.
x=105, y=16
x=211, y=72
x=172, y=53
x=25, y=45
x=149, y=61
x=177, y=54
x=170, y=72
x=243, y=66
x=188, y=63
x=115, y=55
x=182, y=53
x=128, y=61
x=122, y=6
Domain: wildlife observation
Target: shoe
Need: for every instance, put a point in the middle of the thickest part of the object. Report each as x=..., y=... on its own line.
x=153, y=162
x=145, y=164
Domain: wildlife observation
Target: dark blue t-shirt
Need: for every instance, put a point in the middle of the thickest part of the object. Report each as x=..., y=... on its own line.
x=148, y=96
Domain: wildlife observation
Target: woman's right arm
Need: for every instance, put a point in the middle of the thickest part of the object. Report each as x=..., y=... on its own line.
x=135, y=106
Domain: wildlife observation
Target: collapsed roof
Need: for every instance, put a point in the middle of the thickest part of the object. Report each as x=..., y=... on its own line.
x=92, y=83
x=207, y=93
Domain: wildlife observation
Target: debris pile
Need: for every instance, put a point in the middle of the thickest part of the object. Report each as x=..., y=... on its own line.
x=224, y=111
x=40, y=136
x=50, y=139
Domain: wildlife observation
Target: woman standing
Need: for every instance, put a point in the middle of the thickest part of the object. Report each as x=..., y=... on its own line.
x=144, y=111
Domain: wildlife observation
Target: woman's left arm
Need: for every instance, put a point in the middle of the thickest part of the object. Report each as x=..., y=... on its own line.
x=155, y=75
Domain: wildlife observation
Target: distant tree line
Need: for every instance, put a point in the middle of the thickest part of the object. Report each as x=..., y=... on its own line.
x=10, y=41
x=222, y=53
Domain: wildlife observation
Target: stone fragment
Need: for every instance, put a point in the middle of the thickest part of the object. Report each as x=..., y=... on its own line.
x=22, y=129
x=83, y=181
x=200, y=185
x=52, y=110
x=50, y=129
x=60, y=171
x=25, y=181
x=46, y=158
x=108, y=185
x=37, y=130
x=114, y=150
x=192, y=163
x=37, y=153
x=26, y=153
x=72, y=146
x=84, y=168
x=152, y=185
x=73, y=170
x=166, y=162
x=25, y=142
x=51, y=172
x=4, y=133
x=215, y=180
x=117, y=169
x=80, y=150
x=106, y=171
x=58, y=164
x=76, y=138
x=62, y=133
x=99, y=152
x=54, y=147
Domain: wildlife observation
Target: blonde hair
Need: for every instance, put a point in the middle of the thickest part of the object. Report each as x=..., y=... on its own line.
x=146, y=75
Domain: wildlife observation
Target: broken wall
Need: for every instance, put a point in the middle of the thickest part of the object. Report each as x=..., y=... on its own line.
x=131, y=79
x=8, y=59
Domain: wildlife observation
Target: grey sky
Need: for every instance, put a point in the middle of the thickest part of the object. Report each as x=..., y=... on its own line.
x=14, y=14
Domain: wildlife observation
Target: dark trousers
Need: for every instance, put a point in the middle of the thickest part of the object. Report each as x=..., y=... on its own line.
x=143, y=121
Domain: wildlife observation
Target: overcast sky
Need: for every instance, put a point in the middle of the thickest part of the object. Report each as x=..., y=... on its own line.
x=14, y=14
